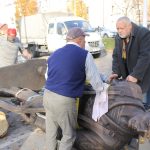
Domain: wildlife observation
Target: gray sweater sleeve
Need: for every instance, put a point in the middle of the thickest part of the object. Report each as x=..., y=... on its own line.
x=92, y=74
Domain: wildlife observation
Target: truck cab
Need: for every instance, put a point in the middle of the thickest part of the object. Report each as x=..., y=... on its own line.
x=58, y=28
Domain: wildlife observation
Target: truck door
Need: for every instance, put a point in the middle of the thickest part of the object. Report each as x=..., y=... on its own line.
x=56, y=36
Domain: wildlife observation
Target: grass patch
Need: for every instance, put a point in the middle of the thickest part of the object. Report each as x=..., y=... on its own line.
x=109, y=43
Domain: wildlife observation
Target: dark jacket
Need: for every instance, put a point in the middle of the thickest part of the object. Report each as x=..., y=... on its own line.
x=138, y=57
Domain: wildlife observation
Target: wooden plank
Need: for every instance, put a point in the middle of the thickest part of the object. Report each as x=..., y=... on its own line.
x=24, y=75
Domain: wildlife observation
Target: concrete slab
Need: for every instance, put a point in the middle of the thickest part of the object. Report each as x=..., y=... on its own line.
x=35, y=141
x=145, y=145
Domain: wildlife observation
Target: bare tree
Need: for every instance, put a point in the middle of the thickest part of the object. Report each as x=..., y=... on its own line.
x=128, y=8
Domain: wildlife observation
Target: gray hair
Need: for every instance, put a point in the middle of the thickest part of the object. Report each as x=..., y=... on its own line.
x=124, y=19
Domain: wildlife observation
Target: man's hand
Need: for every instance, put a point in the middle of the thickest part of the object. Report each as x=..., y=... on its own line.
x=26, y=54
x=131, y=79
x=112, y=76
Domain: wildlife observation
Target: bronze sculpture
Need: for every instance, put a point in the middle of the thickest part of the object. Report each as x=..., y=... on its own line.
x=117, y=127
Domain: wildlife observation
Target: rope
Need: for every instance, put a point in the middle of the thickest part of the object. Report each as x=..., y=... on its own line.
x=21, y=91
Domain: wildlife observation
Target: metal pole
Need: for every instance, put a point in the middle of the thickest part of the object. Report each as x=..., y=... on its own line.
x=103, y=13
x=145, y=13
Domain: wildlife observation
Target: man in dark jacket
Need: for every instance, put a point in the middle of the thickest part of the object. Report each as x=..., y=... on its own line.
x=131, y=55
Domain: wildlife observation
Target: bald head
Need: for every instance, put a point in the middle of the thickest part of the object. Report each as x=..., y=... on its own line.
x=124, y=27
x=124, y=19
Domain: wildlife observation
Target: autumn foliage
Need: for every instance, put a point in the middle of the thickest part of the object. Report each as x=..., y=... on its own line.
x=25, y=8
x=78, y=8
x=30, y=7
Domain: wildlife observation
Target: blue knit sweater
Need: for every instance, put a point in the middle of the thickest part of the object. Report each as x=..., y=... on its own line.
x=66, y=71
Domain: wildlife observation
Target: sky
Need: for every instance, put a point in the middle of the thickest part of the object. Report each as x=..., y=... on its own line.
x=6, y=11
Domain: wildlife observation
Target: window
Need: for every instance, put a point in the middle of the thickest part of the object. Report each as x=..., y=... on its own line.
x=51, y=28
x=79, y=23
x=61, y=29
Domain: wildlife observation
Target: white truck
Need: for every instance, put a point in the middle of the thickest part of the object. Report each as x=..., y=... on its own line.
x=48, y=32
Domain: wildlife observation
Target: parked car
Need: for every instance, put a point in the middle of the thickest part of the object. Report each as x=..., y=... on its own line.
x=107, y=33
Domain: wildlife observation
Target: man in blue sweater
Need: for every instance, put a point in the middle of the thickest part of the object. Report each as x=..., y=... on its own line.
x=68, y=68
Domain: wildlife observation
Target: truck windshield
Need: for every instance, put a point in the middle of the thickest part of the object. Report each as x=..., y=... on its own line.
x=84, y=25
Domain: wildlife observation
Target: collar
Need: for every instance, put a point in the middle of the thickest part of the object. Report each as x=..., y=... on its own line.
x=73, y=43
x=134, y=29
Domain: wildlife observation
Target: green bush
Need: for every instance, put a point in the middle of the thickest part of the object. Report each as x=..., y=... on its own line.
x=109, y=43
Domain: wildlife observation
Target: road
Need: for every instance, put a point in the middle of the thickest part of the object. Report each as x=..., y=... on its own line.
x=104, y=63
